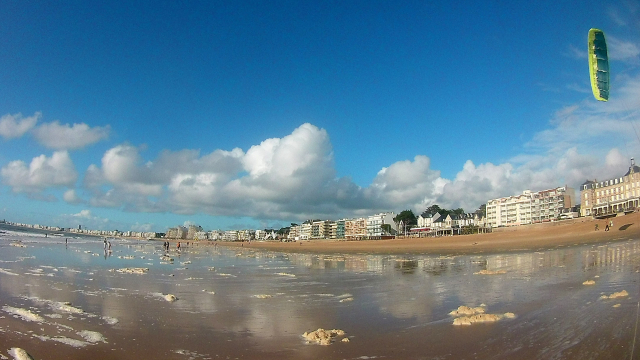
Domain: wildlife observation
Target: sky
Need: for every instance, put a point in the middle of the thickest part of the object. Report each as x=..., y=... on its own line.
x=144, y=115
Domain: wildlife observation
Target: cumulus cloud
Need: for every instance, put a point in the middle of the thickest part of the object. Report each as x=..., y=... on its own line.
x=42, y=172
x=71, y=197
x=87, y=219
x=14, y=126
x=85, y=214
x=65, y=137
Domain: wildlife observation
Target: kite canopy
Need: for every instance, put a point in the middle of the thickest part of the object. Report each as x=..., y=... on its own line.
x=598, y=65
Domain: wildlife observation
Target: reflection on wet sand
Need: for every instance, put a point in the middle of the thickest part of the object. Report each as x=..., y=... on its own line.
x=61, y=301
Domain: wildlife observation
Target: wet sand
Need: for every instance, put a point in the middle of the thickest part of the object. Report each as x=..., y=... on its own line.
x=520, y=238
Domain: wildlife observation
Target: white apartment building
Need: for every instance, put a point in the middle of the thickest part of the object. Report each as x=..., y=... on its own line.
x=375, y=224
x=529, y=207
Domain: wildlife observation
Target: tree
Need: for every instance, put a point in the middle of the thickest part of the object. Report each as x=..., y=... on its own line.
x=407, y=218
x=431, y=210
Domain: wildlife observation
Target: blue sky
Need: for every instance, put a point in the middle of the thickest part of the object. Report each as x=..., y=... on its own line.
x=256, y=114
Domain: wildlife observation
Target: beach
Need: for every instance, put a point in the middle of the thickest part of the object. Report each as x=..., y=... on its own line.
x=509, y=239
x=575, y=297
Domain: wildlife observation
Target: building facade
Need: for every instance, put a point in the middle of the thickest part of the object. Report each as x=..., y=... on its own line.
x=601, y=198
x=377, y=225
x=530, y=207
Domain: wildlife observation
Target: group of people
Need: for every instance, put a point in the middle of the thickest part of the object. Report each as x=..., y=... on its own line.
x=607, y=226
x=107, y=244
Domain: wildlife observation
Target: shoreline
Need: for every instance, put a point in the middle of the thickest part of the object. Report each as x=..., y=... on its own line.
x=533, y=237
x=506, y=240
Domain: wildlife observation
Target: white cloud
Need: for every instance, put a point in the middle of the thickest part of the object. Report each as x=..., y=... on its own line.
x=65, y=137
x=85, y=214
x=71, y=197
x=85, y=218
x=14, y=126
x=42, y=172
x=293, y=178
x=618, y=49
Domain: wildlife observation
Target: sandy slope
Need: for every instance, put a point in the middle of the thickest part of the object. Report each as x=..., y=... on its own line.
x=530, y=237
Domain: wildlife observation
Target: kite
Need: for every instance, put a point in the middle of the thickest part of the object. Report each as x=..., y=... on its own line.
x=598, y=65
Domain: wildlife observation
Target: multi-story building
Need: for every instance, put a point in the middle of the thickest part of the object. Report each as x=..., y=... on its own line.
x=530, y=207
x=294, y=232
x=426, y=219
x=305, y=230
x=381, y=224
x=321, y=229
x=230, y=235
x=340, y=229
x=355, y=229
x=192, y=231
x=611, y=196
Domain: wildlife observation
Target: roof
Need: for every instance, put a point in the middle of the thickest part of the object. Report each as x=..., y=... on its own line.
x=635, y=169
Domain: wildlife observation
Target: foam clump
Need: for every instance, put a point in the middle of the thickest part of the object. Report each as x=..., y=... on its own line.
x=20, y=354
x=65, y=307
x=7, y=272
x=466, y=315
x=133, y=270
x=25, y=314
x=616, y=295
x=285, y=274
x=263, y=296
x=467, y=311
x=18, y=244
x=110, y=320
x=480, y=318
x=490, y=272
x=92, y=336
x=323, y=337
x=589, y=282
x=346, y=299
x=170, y=297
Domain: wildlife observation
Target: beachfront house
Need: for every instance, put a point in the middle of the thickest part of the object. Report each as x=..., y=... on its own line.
x=426, y=219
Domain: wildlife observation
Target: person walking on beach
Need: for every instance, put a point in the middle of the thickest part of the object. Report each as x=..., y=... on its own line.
x=611, y=224
x=105, y=244
x=178, y=245
x=109, y=245
x=606, y=228
x=596, y=227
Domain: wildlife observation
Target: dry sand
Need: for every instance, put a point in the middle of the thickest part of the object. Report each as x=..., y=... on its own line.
x=518, y=238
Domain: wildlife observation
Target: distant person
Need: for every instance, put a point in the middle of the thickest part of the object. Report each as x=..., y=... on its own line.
x=109, y=245
x=596, y=227
x=611, y=224
x=105, y=244
x=606, y=228
x=178, y=245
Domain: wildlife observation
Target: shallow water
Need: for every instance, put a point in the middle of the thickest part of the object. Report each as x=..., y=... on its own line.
x=247, y=304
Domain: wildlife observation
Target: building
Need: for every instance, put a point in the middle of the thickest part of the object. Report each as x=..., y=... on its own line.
x=355, y=229
x=601, y=198
x=530, y=207
x=381, y=225
x=340, y=229
x=192, y=231
x=426, y=219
